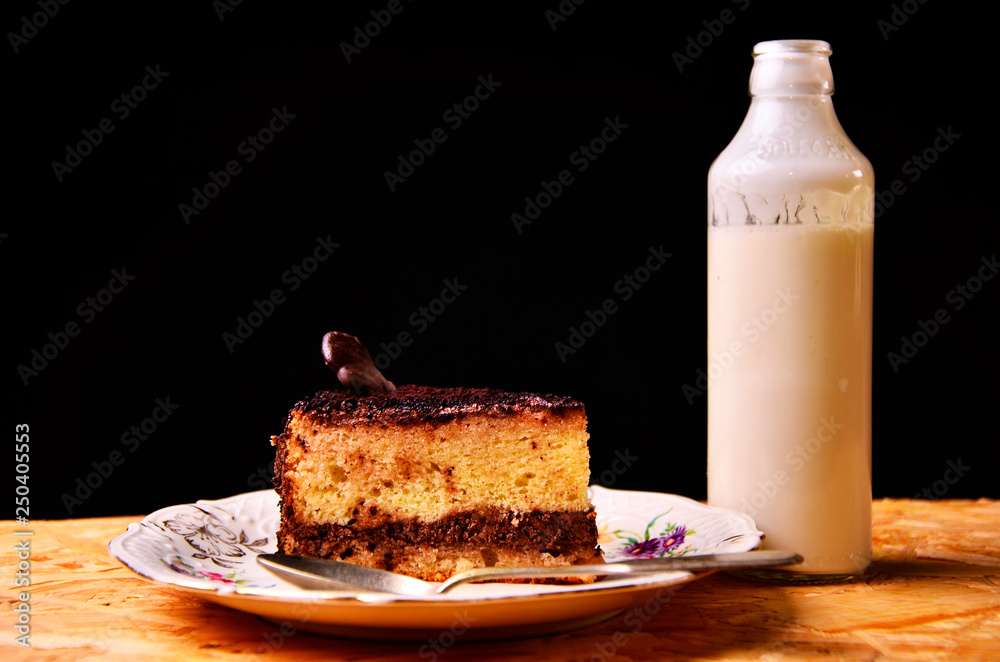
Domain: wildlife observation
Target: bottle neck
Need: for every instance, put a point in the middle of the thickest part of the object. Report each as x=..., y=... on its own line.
x=791, y=68
x=791, y=88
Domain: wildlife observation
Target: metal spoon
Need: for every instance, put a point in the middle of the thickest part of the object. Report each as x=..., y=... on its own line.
x=323, y=574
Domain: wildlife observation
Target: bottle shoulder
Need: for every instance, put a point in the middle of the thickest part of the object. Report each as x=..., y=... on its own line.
x=788, y=140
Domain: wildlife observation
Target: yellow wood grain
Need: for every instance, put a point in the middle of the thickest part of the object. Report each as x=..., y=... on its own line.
x=933, y=594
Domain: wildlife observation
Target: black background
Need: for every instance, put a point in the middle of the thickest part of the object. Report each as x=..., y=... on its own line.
x=899, y=82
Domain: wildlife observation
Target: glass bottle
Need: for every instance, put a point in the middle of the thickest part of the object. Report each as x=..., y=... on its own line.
x=790, y=249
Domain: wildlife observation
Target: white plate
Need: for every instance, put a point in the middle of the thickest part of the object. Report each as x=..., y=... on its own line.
x=210, y=549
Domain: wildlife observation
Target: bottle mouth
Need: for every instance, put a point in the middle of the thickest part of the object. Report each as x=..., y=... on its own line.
x=786, y=46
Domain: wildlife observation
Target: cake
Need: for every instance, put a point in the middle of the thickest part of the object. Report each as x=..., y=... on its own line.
x=430, y=481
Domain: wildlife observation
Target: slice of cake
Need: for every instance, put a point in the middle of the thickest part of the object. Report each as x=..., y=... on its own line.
x=433, y=481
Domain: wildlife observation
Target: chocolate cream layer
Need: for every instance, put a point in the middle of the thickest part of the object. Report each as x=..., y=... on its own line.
x=554, y=533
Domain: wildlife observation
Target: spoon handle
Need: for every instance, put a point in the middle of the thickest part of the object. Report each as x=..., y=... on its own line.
x=755, y=559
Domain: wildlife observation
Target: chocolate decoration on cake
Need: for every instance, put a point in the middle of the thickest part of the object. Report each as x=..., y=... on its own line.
x=419, y=405
x=349, y=358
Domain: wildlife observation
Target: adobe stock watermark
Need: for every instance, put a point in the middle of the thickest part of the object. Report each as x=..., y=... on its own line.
x=454, y=116
x=448, y=636
x=293, y=277
x=273, y=641
x=562, y=12
x=581, y=158
x=420, y=320
x=131, y=439
x=959, y=296
x=696, y=45
x=122, y=108
x=249, y=149
x=795, y=461
x=635, y=619
x=223, y=7
x=21, y=602
x=752, y=329
x=302, y=611
x=88, y=310
x=915, y=167
x=899, y=14
x=939, y=488
x=625, y=288
x=363, y=34
x=32, y=23
x=622, y=462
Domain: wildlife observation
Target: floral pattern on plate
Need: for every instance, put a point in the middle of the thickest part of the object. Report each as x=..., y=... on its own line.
x=213, y=541
x=667, y=543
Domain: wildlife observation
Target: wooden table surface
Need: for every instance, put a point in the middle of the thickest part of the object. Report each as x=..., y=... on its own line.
x=933, y=594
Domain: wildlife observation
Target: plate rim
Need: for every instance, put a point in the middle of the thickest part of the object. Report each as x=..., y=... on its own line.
x=226, y=593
